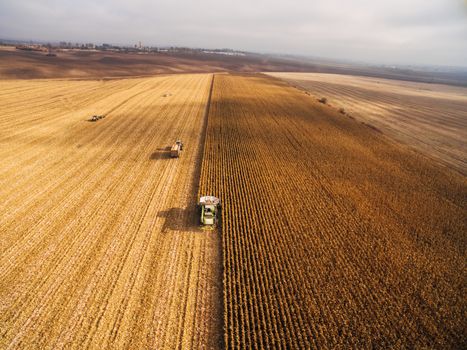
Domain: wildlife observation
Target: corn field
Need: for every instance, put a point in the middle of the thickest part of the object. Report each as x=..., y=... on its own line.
x=333, y=237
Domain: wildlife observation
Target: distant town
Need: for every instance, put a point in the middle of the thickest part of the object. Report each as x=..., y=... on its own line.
x=51, y=49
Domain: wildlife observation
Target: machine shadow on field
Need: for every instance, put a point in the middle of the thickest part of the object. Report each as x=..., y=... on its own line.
x=180, y=219
x=161, y=153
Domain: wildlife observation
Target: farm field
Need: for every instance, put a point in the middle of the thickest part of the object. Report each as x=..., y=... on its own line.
x=100, y=246
x=79, y=64
x=332, y=235
x=429, y=117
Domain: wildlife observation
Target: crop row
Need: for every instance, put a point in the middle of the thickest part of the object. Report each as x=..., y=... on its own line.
x=332, y=236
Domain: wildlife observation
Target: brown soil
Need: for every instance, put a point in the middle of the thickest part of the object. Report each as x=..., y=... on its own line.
x=17, y=64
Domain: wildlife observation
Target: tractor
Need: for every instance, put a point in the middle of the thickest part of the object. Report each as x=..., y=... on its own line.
x=209, y=210
x=95, y=118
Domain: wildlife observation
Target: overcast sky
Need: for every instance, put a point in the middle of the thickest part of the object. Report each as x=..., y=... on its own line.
x=375, y=31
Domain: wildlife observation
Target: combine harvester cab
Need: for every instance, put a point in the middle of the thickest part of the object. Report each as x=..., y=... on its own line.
x=176, y=149
x=209, y=211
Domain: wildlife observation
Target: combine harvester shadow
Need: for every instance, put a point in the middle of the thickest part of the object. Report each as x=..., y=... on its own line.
x=160, y=153
x=180, y=219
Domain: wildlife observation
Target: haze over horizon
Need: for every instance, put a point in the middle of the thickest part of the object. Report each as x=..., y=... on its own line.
x=416, y=32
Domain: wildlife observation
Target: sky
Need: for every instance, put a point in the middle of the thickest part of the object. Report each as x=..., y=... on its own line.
x=423, y=32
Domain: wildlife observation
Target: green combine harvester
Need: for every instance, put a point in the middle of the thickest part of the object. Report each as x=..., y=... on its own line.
x=209, y=208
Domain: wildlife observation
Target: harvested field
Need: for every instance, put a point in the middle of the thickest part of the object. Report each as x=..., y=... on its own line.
x=430, y=117
x=99, y=244
x=333, y=236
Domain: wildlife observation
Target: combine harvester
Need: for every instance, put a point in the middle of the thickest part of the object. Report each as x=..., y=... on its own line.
x=209, y=208
x=176, y=149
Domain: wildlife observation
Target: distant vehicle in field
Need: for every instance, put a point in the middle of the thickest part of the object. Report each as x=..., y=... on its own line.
x=209, y=209
x=176, y=149
x=95, y=118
